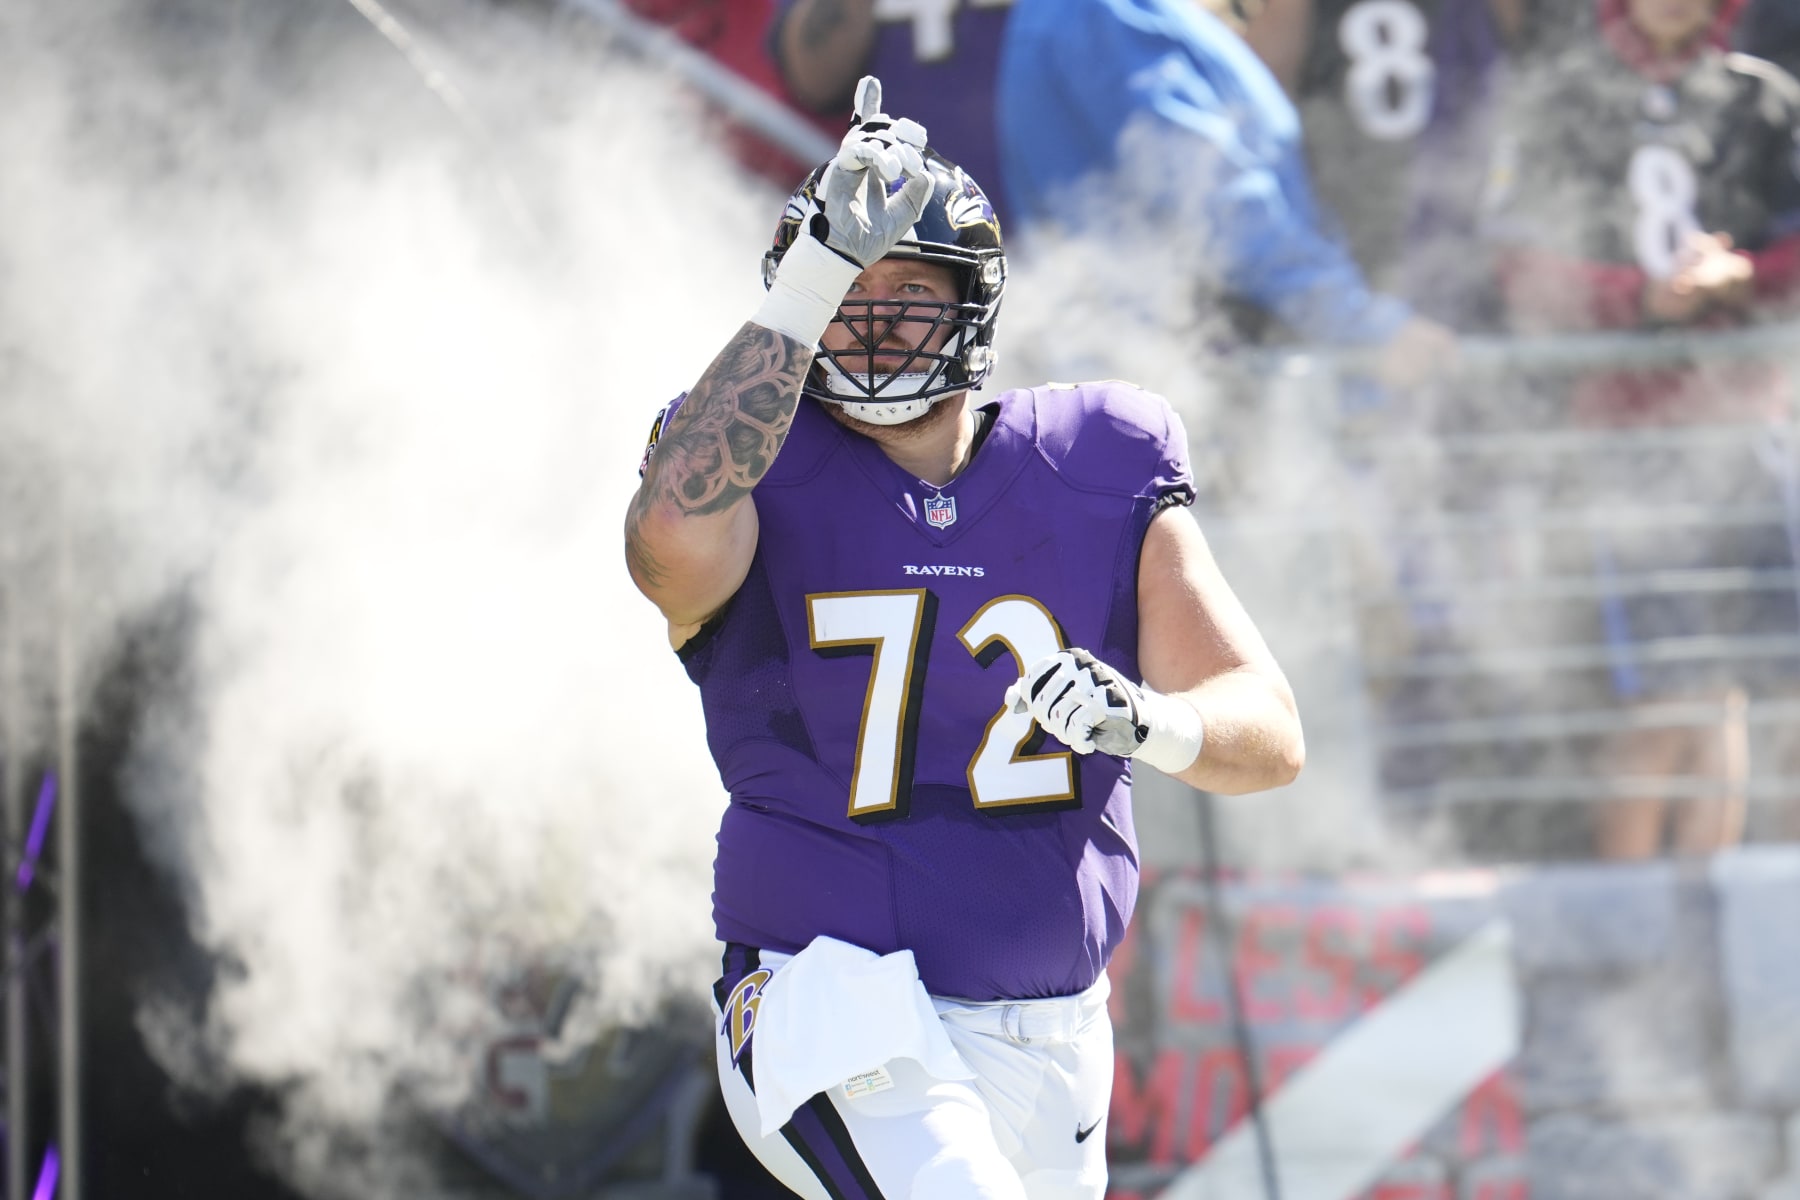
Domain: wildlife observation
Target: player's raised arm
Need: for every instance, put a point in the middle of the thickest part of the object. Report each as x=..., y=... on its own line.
x=691, y=530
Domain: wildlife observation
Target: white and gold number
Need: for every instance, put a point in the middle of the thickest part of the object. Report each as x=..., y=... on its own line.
x=998, y=776
x=895, y=629
x=1664, y=188
x=1390, y=86
x=934, y=37
x=888, y=626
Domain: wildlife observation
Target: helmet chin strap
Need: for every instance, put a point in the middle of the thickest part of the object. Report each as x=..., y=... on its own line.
x=897, y=403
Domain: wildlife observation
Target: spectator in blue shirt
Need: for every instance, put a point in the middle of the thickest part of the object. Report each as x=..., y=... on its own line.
x=1156, y=116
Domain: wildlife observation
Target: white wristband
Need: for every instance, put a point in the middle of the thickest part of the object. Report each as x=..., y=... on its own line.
x=806, y=291
x=1176, y=733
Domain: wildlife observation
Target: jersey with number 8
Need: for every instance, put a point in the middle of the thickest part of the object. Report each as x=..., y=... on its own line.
x=1650, y=162
x=1366, y=90
x=881, y=791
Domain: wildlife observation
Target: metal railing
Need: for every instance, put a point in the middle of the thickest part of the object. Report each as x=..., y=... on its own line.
x=1487, y=509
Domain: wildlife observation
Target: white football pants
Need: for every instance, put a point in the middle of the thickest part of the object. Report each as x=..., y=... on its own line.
x=1030, y=1126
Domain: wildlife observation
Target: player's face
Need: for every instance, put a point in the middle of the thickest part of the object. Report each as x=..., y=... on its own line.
x=1670, y=24
x=892, y=327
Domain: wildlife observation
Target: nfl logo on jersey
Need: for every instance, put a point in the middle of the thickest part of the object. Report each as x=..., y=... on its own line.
x=940, y=511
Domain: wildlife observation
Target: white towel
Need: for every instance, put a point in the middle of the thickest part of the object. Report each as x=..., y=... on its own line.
x=835, y=1010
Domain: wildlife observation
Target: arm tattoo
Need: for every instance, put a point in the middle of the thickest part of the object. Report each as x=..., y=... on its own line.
x=724, y=437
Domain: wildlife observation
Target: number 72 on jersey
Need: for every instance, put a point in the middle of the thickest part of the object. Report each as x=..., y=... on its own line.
x=895, y=629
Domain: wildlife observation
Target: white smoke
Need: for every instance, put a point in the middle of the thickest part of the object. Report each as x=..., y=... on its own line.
x=365, y=382
x=1082, y=307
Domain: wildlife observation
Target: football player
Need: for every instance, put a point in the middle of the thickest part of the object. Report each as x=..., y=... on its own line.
x=934, y=638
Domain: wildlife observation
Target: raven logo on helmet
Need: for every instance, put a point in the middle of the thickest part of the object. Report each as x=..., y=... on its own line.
x=971, y=207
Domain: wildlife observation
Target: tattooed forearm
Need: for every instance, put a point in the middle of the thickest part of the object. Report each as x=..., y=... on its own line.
x=724, y=438
x=721, y=441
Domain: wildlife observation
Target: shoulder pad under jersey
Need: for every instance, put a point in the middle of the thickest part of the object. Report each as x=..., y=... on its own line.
x=1113, y=436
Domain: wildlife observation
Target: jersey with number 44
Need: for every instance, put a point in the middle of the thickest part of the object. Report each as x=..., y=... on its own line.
x=882, y=791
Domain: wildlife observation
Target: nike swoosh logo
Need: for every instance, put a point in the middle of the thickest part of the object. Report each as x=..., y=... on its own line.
x=1081, y=1135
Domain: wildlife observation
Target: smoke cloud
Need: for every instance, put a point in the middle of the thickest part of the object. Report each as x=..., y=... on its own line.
x=356, y=373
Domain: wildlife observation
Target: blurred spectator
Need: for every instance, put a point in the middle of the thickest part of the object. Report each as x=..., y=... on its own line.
x=1395, y=100
x=936, y=62
x=1646, y=180
x=1370, y=78
x=1771, y=29
x=730, y=32
x=1154, y=119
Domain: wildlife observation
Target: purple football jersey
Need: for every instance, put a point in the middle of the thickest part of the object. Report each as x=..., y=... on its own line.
x=882, y=792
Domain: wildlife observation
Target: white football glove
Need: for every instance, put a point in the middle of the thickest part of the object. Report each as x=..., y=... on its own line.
x=872, y=192
x=1089, y=706
x=865, y=215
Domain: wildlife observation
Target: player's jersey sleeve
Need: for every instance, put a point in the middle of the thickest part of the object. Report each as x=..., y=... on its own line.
x=656, y=429
x=1202, y=136
x=1129, y=438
